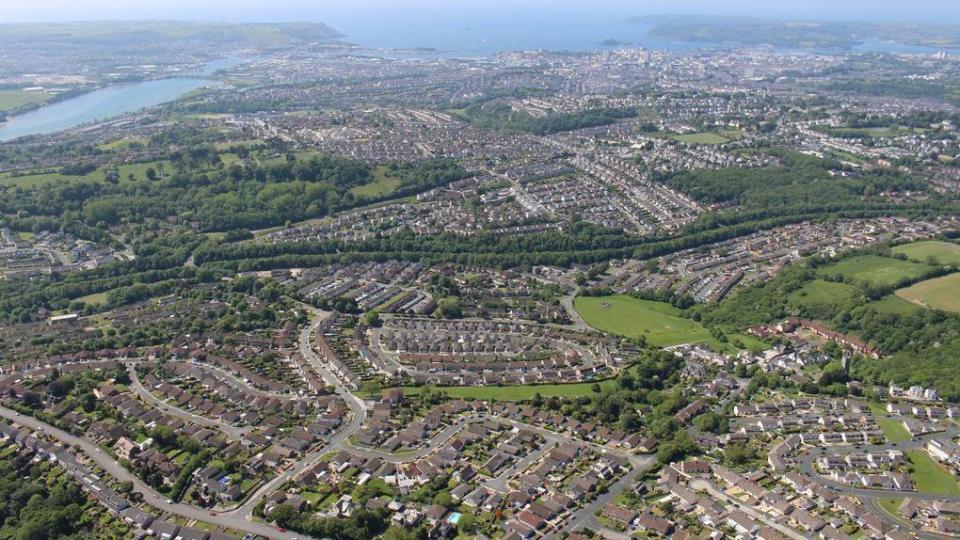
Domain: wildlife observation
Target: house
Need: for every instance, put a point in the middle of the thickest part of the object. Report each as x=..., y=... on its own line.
x=620, y=514
x=163, y=530
x=651, y=523
x=126, y=449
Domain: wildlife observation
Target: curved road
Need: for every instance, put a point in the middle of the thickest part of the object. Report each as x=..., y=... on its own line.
x=241, y=518
x=235, y=433
x=150, y=496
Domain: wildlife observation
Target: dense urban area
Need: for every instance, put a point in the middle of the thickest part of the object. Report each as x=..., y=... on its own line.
x=353, y=293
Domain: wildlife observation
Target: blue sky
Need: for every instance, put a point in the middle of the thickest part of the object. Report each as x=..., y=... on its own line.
x=346, y=12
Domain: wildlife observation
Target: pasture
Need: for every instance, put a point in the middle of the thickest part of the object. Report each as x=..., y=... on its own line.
x=875, y=270
x=944, y=252
x=938, y=293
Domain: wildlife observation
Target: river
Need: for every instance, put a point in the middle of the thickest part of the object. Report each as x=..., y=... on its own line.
x=107, y=102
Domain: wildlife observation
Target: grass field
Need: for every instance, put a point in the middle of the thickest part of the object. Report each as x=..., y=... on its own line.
x=819, y=292
x=98, y=299
x=930, y=477
x=945, y=252
x=658, y=322
x=139, y=171
x=892, y=429
x=893, y=304
x=707, y=137
x=12, y=99
x=748, y=341
x=937, y=293
x=120, y=143
x=875, y=270
x=380, y=186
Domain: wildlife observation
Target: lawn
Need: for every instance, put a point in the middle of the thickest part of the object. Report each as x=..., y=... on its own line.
x=12, y=99
x=929, y=476
x=945, y=252
x=380, y=186
x=937, y=293
x=511, y=393
x=892, y=429
x=707, y=137
x=875, y=270
x=658, y=322
x=819, y=292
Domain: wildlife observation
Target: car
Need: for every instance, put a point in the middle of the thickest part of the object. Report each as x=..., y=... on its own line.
x=213, y=513
x=169, y=501
x=281, y=529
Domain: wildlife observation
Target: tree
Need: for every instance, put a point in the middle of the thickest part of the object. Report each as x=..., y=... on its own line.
x=712, y=422
x=151, y=174
x=283, y=514
x=372, y=319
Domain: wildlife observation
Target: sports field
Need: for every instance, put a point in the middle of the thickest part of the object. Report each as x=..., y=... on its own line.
x=937, y=293
x=658, y=322
x=706, y=137
x=875, y=270
x=945, y=252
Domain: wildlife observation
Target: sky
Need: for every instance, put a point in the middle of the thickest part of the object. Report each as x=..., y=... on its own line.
x=350, y=13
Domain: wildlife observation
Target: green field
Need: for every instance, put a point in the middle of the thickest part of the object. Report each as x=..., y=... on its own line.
x=98, y=299
x=892, y=429
x=749, y=341
x=706, y=137
x=658, y=322
x=938, y=293
x=139, y=171
x=875, y=270
x=893, y=304
x=380, y=186
x=929, y=476
x=945, y=252
x=511, y=393
x=819, y=292
x=121, y=143
x=13, y=99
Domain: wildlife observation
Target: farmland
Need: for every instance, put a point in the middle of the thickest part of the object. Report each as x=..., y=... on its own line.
x=937, y=293
x=943, y=252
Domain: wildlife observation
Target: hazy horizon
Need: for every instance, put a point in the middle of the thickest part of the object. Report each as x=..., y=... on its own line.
x=350, y=15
